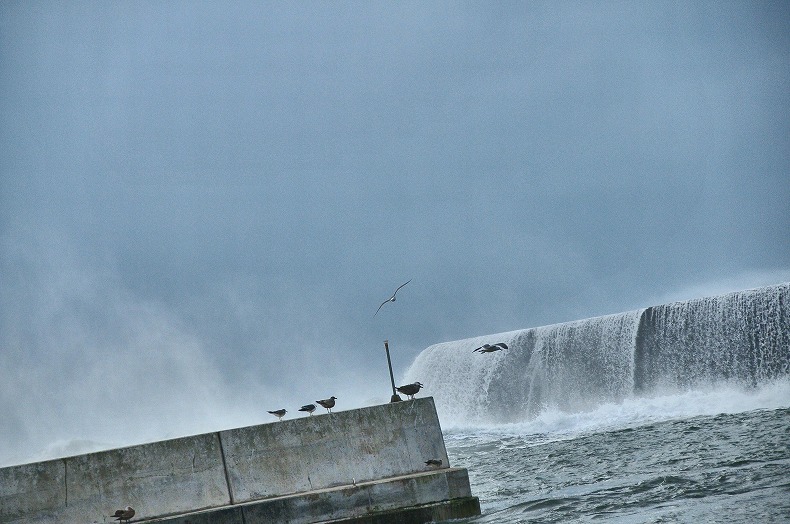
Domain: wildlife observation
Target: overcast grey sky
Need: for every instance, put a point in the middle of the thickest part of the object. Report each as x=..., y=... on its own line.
x=202, y=204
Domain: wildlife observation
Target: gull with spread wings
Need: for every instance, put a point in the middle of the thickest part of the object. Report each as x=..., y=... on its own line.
x=490, y=348
x=390, y=299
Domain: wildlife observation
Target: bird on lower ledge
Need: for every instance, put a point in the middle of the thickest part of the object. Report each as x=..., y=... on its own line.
x=123, y=514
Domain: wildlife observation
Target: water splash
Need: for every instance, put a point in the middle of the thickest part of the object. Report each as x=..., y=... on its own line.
x=740, y=338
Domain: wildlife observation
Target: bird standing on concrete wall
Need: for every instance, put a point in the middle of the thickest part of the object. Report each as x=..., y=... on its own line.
x=390, y=299
x=308, y=408
x=280, y=413
x=123, y=514
x=328, y=403
x=410, y=389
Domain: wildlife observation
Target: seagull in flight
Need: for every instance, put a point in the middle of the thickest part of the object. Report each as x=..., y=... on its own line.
x=390, y=299
x=490, y=348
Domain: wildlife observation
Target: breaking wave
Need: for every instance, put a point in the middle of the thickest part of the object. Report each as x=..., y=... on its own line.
x=739, y=340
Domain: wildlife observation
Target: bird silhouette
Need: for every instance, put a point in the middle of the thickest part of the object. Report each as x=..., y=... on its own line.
x=390, y=299
x=308, y=408
x=328, y=403
x=123, y=514
x=490, y=348
x=410, y=389
x=433, y=462
x=280, y=413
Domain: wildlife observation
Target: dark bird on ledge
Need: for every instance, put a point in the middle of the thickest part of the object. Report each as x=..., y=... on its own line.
x=328, y=403
x=390, y=299
x=488, y=348
x=433, y=462
x=308, y=408
x=280, y=413
x=123, y=514
x=410, y=389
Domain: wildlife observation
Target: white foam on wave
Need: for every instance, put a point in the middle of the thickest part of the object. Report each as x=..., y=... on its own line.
x=640, y=411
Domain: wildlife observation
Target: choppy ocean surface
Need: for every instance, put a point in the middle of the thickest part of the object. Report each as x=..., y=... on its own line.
x=702, y=456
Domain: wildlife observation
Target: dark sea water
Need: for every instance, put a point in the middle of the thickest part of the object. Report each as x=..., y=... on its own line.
x=647, y=460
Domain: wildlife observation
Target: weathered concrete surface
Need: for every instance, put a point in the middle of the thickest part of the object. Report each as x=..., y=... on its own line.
x=333, y=449
x=164, y=478
x=161, y=478
x=298, y=470
x=421, y=497
x=32, y=490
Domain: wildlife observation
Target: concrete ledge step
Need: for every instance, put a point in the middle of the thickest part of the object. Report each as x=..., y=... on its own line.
x=423, y=497
x=447, y=510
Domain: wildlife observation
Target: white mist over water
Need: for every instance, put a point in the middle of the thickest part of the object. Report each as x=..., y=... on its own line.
x=88, y=364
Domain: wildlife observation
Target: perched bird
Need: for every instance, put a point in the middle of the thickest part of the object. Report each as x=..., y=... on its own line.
x=308, y=408
x=433, y=462
x=410, y=389
x=280, y=413
x=123, y=514
x=488, y=348
x=328, y=403
x=390, y=299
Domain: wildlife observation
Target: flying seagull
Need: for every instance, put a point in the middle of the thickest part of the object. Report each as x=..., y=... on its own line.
x=123, y=514
x=308, y=408
x=488, y=348
x=433, y=462
x=410, y=389
x=328, y=403
x=280, y=413
x=390, y=299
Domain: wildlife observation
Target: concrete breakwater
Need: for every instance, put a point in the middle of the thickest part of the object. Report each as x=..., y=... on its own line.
x=353, y=466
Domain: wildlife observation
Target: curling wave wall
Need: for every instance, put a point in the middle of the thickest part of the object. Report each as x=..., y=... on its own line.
x=741, y=337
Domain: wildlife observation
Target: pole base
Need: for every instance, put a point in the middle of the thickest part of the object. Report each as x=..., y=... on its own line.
x=395, y=398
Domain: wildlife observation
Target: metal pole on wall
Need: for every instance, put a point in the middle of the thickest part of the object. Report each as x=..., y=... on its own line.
x=394, y=397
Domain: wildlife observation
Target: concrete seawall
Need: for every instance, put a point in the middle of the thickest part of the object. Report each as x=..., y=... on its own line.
x=348, y=465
